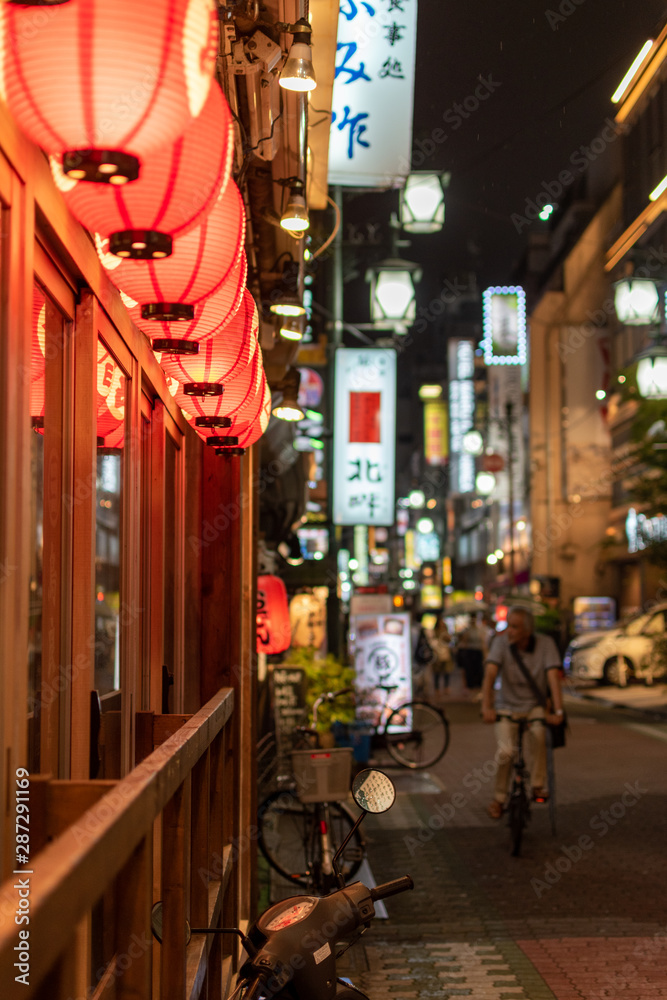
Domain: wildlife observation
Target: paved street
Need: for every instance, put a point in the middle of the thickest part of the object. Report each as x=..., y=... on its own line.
x=582, y=914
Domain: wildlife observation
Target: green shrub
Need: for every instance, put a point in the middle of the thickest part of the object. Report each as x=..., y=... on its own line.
x=322, y=675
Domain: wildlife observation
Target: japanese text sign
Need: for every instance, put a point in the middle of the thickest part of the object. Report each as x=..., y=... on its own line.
x=371, y=122
x=364, y=437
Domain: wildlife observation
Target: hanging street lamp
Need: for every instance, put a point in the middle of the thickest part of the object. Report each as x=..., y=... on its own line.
x=423, y=202
x=641, y=302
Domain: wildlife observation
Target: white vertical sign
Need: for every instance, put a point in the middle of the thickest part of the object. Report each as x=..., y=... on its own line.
x=371, y=122
x=461, y=413
x=364, y=436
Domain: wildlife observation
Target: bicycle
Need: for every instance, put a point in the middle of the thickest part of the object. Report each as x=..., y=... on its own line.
x=302, y=825
x=414, y=734
x=518, y=801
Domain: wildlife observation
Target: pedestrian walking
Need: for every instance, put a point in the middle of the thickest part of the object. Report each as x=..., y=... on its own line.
x=442, y=664
x=515, y=653
x=470, y=655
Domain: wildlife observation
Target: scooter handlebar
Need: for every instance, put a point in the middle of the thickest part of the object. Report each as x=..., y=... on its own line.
x=392, y=888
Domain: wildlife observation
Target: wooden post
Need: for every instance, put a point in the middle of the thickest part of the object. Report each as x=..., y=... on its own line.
x=82, y=503
x=172, y=964
x=133, y=924
x=220, y=538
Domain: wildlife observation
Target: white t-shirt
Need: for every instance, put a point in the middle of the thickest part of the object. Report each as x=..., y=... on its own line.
x=515, y=693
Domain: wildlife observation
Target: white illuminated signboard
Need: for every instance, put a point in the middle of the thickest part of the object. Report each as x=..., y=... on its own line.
x=504, y=325
x=364, y=436
x=371, y=122
x=461, y=413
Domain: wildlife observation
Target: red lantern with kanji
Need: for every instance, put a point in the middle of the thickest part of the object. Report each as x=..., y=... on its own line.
x=210, y=316
x=201, y=262
x=221, y=358
x=237, y=395
x=178, y=185
x=274, y=633
x=107, y=83
x=111, y=388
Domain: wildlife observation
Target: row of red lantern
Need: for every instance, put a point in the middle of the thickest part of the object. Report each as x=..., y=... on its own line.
x=75, y=88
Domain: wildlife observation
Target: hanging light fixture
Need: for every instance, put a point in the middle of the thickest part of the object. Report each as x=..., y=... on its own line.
x=636, y=301
x=393, y=293
x=298, y=73
x=291, y=328
x=641, y=302
x=284, y=299
x=237, y=397
x=104, y=84
x=295, y=217
x=220, y=358
x=202, y=261
x=289, y=408
x=210, y=317
x=177, y=187
x=423, y=202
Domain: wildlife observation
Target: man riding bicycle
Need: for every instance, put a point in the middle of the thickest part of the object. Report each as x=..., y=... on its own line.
x=516, y=698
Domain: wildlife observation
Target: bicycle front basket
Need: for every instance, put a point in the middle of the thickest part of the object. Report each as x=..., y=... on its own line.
x=322, y=775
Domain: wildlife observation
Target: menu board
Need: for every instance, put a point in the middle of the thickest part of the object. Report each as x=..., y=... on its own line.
x=288, y=702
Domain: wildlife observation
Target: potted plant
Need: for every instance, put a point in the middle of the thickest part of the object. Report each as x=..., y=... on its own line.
x=325, y=674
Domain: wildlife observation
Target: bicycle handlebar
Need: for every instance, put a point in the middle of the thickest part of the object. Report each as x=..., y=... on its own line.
x=392, y=888
x=329, y=696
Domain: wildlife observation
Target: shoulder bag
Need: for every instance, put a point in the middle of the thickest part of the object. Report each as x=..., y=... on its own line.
x=556, y=730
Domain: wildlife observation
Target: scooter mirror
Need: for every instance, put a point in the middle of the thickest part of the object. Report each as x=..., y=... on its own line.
x=156, y=923
x=373, y=791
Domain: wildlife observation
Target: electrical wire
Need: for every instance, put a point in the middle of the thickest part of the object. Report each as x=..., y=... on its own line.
x=334, y=231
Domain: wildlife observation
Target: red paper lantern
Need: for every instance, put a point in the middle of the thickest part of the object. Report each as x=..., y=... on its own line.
x=210, y=316
x=202, y=261
x=111, y=389
x=177, y=186
x=237, y=396
x=274, y=632
x=251, y=434
x=246, y=416
x=106, y=83
x=221, y=358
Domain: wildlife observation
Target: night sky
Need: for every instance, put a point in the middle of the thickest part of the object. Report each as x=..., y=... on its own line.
x=546, y=72
x=507, y=93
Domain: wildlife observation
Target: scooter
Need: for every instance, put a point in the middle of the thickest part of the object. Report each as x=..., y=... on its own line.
x=292, y=947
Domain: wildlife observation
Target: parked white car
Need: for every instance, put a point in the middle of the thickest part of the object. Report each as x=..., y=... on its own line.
x=617, y=655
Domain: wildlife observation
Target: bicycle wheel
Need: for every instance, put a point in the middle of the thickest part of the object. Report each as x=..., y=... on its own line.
x=416, y=734
x=289, y=838
x=518, y=815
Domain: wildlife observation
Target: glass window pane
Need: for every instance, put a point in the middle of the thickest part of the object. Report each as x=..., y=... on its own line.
x=37, y=405
x=111, y=390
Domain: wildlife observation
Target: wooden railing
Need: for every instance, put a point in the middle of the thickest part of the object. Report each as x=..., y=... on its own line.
x=112, y=848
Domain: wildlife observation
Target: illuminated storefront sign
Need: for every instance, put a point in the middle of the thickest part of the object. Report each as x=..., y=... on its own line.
x=504, y=325
x=375, y=69
x=364, y=436
x=435, y=433
x=461, y=413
